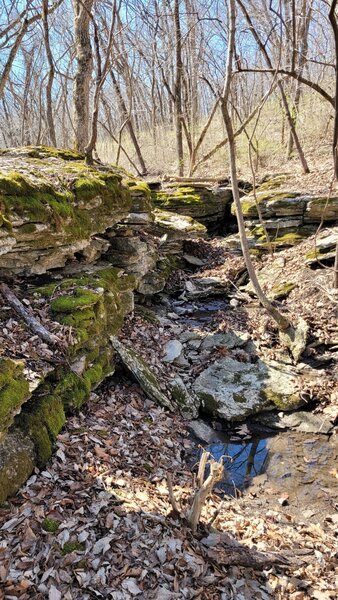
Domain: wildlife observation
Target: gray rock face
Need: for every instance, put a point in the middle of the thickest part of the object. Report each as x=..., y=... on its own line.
x=201, y=202
x=43, y=225
x=172, y=350
x=305, y=422
x=136, y=365
x=232, y=390
x=203, y=287
x=289, y=217
x=185, y=402
x=203, y=431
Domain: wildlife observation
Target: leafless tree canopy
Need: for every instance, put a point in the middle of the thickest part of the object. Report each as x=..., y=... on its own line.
x=118, y=75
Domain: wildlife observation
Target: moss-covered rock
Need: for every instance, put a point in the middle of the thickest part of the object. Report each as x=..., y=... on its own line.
x=44, y=220
x=233, y=390
x=319, y=209
x=204, y=204
x=17, y=461
x=137, y=366
x=42, y=418
x=14, y=391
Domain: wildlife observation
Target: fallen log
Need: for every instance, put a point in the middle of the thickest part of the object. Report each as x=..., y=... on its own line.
x=34, y=325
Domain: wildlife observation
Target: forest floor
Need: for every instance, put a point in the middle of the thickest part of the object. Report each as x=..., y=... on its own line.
x=97, y=521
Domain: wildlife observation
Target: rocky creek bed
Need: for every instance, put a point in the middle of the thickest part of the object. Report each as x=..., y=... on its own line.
x=135, y=291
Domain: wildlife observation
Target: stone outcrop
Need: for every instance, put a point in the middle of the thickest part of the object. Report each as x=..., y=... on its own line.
x=52, y=206
x=206, y=204
x=288, y=217
x=86, y=239
x=93, y=305
x=139, y=369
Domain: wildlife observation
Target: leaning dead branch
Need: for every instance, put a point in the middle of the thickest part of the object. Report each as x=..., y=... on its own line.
x=204, y=491
x=50, y=338
x=201, y=493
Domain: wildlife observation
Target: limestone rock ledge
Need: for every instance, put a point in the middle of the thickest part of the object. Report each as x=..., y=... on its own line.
x=51, y=205
x=289, y=217
x=83, y=239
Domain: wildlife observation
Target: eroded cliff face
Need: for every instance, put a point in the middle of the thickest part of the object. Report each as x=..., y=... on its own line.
x=81, y=241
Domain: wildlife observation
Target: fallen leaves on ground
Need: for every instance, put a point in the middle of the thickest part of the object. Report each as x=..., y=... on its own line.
x=114, y=536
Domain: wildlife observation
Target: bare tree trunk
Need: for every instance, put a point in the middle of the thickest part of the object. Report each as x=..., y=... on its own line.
x=49, y=109
x=84, y=58
x=178, y=88
x=334, y=25
x=335, y=270
x=281, y=321
x=303, y=34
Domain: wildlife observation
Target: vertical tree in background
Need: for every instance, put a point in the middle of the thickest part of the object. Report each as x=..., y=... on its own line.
x=334, y=25
x=49, y=86
x=84, y=67
x=178, y=87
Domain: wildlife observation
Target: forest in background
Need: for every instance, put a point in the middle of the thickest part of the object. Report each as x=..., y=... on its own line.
x=149, y=77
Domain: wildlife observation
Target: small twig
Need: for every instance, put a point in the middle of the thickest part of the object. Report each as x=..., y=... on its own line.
x=217, y=511
x=172, y=498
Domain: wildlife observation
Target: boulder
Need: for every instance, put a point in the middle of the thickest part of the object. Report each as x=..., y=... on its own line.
x=289, y=217
x=173, y=350
x=321, y=209
x=325, y=249
x=203, y=287
x=306, y=422
x=233, y=390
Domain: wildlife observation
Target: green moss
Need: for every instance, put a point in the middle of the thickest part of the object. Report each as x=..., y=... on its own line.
x=210, y=405
x=289, y=238
x=178, y=395
x=87, y=188
x=41, y=206
x=70, y=547
x=178, y=197
x=15, y=184
x=324, y=201
x=137, y=186
x=282, y=290
x=14, y=391
x=47, y=290
x=292, y=401
x=47, y=152
x=5, y=223
x=72, y=389
x=271, y=182
x=146, y=313
x=147, y=467
x=42, y=418
x=282, y=199
x=80, y=299
x=50, y=525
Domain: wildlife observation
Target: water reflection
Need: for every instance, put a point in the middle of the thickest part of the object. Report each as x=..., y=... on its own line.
x=242, y=461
